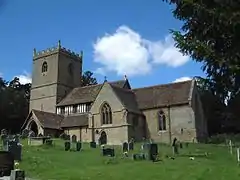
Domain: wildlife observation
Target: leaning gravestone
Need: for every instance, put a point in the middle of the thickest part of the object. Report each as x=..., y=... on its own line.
x=125, y=147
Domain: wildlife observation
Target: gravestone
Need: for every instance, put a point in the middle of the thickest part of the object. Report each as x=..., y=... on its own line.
x=131, y=145
x=141, y=156
x=4, y=139
x=49, y=142
x=93, y=144
x=67, y=145
x=125, y=147
x=78, y=146
x=74, y=138
x=6, y=163
x=108, y=152
x=175, y=146
x=17, y=175
x=153, y=152
x=15, y=149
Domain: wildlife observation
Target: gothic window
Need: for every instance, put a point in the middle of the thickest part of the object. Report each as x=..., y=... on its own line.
x=106, y=114
x=44, y=67
x=161, y=121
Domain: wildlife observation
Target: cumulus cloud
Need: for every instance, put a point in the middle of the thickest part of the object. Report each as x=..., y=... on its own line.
x=126, y=52
x=24, y=78
x=181, y=79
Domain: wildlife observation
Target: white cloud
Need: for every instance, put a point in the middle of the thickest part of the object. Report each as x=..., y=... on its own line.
x=181, y=79
x=126, y=52
x=25, y=78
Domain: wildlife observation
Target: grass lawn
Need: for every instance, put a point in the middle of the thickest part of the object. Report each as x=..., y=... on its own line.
x=54, y=163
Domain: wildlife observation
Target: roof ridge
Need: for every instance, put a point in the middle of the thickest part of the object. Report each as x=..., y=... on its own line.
x=97, y=84
x=46, y=112
x=123, y=89
x=161, y=85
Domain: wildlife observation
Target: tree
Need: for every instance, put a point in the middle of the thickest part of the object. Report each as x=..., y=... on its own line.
x=14, y=102
x=88, y=79
x=210, y=35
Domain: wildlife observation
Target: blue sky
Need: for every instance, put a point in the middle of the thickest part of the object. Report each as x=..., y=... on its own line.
x=117, y=38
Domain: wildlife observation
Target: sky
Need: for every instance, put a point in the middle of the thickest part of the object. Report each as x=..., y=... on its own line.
x=127, y=37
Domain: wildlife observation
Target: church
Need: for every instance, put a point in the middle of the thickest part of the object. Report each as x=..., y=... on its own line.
x=111, y=112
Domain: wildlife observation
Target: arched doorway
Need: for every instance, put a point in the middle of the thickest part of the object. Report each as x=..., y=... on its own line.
x=103, y=138
x=33, y=127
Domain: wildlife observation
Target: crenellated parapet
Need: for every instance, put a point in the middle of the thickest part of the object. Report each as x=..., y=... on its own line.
x=57, y=49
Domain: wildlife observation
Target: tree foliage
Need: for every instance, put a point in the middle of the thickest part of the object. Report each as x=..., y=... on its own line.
x=210, y=34
x=14, y=102
x=88, y=79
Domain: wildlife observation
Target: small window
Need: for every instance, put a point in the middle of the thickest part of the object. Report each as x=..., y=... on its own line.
x=161, y=121
x=44, y=67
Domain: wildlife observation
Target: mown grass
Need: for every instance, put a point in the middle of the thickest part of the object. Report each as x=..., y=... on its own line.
x=54, y=163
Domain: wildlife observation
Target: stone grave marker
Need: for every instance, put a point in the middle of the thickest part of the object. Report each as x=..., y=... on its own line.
x=74, y=138
x=6, y=163
x=17, y=175
x=125, y=147
x=131, y=145
x=67, y=145
x=16, y=149
x=108, y=152
x=153, y=152
x=78, y=146
x=93, y=144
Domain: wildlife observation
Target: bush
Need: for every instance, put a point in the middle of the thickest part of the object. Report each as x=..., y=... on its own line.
x=224, y=138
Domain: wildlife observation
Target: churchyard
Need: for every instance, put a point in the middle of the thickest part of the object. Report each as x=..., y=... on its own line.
x=194, y=161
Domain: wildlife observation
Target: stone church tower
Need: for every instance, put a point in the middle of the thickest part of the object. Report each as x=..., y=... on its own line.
x=55, y=72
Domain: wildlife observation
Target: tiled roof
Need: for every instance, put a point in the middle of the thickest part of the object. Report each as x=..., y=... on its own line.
x=48, y=120
x=127, y=98
x=86, y=94
x=163, y=95
x=75, y=121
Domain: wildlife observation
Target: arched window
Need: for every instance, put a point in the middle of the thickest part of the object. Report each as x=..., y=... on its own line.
x=161, y=121
x=44, y=67
x=106, y=114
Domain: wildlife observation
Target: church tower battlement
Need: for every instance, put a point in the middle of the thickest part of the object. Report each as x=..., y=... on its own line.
x=56, y=49
x=56, y=71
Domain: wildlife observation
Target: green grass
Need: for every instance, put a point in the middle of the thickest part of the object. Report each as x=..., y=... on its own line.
x=54, y=163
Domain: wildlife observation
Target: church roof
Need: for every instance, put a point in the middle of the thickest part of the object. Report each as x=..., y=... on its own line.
x=86, y=94
x=163, y=95
x=75, y=121
x=127, y=98
x=48, y=120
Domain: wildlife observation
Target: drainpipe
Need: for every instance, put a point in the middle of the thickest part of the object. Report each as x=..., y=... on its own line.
x=170, y=124
x=92, y=126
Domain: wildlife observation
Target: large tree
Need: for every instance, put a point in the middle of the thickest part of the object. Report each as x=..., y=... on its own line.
x=88, y=79
x=210, y=34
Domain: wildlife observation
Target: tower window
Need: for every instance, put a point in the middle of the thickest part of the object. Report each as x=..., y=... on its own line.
x=70, y=69
x=44, y=67
x=161, y=121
